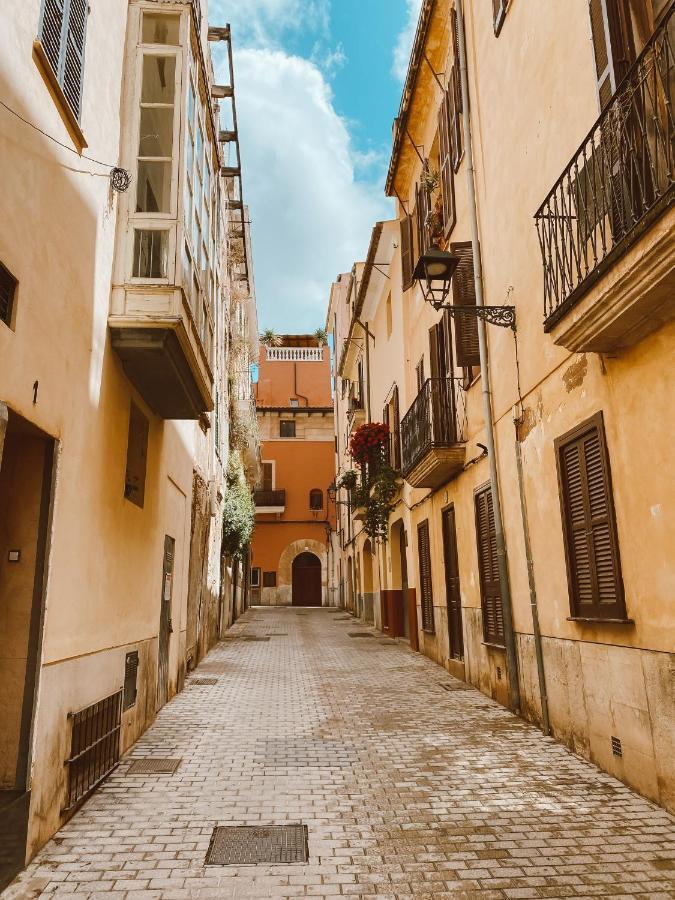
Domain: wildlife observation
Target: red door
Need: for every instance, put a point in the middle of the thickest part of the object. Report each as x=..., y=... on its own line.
x=306, y=580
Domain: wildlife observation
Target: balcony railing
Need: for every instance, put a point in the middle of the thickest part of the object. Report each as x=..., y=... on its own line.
x=275, y=499
x=295, y=354
x=619, y=181
x=436, y=420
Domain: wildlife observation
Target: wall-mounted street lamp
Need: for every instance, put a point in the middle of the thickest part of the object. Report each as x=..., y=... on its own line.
x=434, y=271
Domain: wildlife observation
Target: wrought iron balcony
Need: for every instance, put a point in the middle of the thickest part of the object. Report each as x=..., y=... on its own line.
x=433, y=434
x=275, y=500
x=618, y=183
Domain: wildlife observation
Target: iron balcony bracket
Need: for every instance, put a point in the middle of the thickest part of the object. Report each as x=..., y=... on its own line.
x=504, y=316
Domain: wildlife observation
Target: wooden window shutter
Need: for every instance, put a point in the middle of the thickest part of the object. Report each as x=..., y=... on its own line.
x=447, y=172
x=499, y=14
x=63, y=29
x=421, y=213
x=406, y=252
x=589, y=524
x=455, y=91
x=396, y=460
x=426, y=589
x=267, y=476
x=464, y=294
x=488, y=565
x=613, y=44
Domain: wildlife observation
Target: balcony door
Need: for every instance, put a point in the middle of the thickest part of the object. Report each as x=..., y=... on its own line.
x=452, y=591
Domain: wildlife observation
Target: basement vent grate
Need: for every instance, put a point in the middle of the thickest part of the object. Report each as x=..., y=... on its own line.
x=359, y=634
x=616, y=746
x=460, y=686
x=253, y=845
x=202, y=682
x=153, y=766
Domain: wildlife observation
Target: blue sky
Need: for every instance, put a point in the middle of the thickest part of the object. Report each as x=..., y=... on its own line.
x=318, y=83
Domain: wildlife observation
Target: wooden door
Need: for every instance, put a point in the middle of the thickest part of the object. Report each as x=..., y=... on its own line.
x=165, y=622
x=452, y=592
x=306, y=580
x=404, y=583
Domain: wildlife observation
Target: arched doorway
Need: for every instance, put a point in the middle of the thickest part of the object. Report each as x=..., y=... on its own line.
x=306, y=580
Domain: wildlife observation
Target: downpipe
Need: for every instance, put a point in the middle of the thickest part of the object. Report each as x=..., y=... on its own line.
x=504, y=585
x=4, y=419
x=539, y=655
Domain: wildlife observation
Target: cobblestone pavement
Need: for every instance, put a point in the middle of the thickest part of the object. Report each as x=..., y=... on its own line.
x=408, y=790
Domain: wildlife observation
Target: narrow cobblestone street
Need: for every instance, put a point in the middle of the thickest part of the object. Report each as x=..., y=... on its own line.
x=411, y=784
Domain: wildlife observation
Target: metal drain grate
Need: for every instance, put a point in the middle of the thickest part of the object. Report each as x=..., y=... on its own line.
x=252, y=845
x=278, y=634
x=254, y=637
x=203, y=681
x=358, y=634
x=153, y=766
x=460, y=686
x=342, y=619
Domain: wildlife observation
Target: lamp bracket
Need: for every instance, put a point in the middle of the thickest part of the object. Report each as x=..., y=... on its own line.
x=504, y=316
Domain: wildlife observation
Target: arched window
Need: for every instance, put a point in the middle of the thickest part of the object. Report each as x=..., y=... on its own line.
x=316, y=499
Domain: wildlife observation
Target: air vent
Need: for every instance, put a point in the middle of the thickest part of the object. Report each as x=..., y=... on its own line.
x=233, y=845
x=94, y=746
x=616, y=746
x=130, y=679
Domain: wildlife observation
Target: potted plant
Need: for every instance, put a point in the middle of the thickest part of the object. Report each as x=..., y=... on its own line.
x=269, y=338
x=321, y=336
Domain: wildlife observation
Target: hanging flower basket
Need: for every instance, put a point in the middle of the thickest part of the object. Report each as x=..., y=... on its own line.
x=368, y=442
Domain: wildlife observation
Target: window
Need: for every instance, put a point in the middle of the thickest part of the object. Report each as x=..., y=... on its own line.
x=464, y=294
x=62, y=33
x=294, y=402
x=426, y=587
x=269, y=579
x=160, y=28
x=316, y=499
x=255, y=577
x=267, y=476
x=150, y=253
x=419, y=372
x=454, y=98
x=406, y=252
x=8, y=285
x=287, y=428
x=490, y=590
x=499, y=14
x=137, y=453
x=155, y=138
x=589, y=525
x=445, y=125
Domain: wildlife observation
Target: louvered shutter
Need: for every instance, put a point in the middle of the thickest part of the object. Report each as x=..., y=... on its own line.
x=63, y=29
x=604, y=67
x=51, y=32
x=406, y=252
x=455, y=90
x=447, y=172
x=396, y=460
x=73, y=68
x=591, y=545
x=421, y=213
x=426, y=590
x=498, y=14
x=488, y=564
x=464, y=294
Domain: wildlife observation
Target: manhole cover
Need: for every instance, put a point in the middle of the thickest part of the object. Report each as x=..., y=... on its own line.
x=358, y=634
x=154, y=766
x=203, y=681
x=251, y=845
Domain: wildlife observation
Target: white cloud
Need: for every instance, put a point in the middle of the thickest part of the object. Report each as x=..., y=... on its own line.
x=264, y=23
x=405, y=41
x=311, y=217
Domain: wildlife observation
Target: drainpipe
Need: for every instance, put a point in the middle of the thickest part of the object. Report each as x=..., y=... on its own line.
x=295, y=385
x=505, y=588
x=541, y=674
x=4, y=418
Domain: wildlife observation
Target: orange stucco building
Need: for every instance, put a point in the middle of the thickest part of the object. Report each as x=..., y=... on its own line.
x=292, y=543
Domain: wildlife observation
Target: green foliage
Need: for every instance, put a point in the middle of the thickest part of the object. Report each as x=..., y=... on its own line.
x=238, y=509
x=347, y=480
x=379, y=505
x=321, y=336
x=270, y=338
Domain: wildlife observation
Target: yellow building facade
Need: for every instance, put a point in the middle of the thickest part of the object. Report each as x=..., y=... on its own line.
x=543, y=166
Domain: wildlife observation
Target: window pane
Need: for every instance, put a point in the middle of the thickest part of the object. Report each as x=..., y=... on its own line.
x=156, y=136
x=150, y=253
x=207, y=183
x=187, y=270
x=198, y=149
x=187, y=205
x=191, y=104
x=196, y=238
x=160, y=28
x=153, y=191
x=159, y=79
x=189, y=157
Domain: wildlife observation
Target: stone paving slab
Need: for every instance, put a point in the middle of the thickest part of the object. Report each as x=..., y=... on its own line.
x=408, y=790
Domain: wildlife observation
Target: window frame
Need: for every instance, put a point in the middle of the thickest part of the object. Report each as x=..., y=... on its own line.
x=291, y=422
x=10, y=318
x=314, y=492
x=269, y=579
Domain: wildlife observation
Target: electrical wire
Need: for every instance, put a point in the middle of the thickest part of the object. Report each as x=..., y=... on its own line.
x=49, y=137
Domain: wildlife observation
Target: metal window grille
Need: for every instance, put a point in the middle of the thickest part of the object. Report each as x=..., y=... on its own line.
x=7, y=290
x=94, y=746
x=621, y=179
